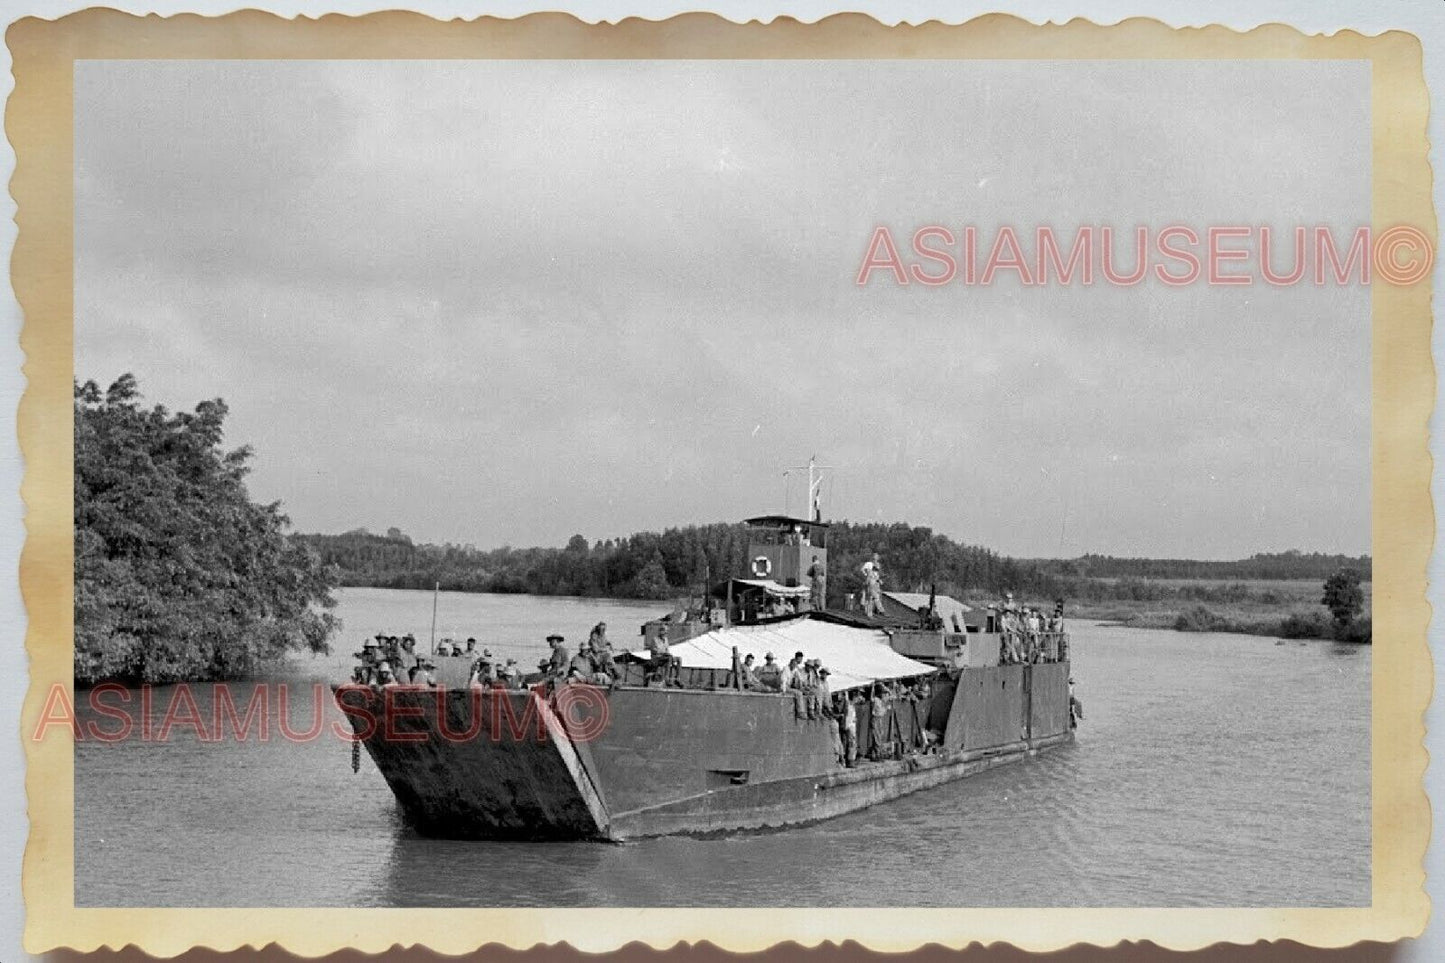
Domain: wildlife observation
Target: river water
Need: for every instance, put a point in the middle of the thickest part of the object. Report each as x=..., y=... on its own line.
x=1210, y=770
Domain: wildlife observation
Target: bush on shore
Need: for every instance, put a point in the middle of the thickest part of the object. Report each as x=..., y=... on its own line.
x=1357, y=631
x=1200, y=618
x=1312, y=625
x=178, y=575
x=1297, y=625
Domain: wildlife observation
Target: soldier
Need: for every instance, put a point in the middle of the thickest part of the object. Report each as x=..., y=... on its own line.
x=581, y=664
x=812, y=687
x=817, y=585
x=848, y=725
x=365, y=673
x=873, y=587
x=422, y=674
x=406, y=657
x=770, y=676
x=748, y=676
x=384, y=677
x=800, y=684
x=877, y=724
x=511, y=675
x=662, y=665
x=1076, y=708
x=484, y=670
x=561, y=660
x=471, y=647
x=822, y=698
x=792, y=672
x=603, y=661
x=1007, y=634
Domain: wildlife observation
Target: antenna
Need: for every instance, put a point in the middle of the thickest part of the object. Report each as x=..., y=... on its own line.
x=815, y=486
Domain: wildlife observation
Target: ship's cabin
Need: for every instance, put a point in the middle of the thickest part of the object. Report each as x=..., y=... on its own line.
x=781, y=549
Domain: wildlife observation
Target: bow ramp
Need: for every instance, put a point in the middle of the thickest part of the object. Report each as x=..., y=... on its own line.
x=475, y=763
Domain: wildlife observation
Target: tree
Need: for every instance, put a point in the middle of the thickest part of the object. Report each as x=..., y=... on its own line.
x=651, y=582
x=178, y=575
x=1343, y=596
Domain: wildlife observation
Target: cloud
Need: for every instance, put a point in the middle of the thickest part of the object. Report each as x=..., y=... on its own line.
x=505, y=301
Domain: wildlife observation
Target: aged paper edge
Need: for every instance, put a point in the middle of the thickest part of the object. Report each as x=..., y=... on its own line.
x=39, y=125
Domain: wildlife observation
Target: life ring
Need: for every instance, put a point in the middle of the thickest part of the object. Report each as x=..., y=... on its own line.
x=762, y=566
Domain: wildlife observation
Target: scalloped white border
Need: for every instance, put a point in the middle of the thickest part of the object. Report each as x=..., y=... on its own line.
x=1420, y=17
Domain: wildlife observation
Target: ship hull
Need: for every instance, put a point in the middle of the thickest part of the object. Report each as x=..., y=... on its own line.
x=623, y=763
x=809, y=799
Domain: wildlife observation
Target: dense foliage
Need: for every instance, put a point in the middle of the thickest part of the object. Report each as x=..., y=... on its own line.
x=178, y=575
x=1343, y=596
x=679, y=561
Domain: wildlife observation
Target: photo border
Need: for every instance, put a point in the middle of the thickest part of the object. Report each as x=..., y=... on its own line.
x=39, y=123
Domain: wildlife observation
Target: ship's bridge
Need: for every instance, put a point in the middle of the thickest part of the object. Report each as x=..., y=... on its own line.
x=782, y=548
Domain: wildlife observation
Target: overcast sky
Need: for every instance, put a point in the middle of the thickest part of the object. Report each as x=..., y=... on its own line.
x=503, y=302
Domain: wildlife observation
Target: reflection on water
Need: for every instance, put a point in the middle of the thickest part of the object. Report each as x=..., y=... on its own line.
x=1211, y=770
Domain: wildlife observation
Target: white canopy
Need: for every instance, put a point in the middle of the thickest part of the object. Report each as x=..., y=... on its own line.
x=953, y=612
x=853, y=656
x=944, y=604
x=774, y=588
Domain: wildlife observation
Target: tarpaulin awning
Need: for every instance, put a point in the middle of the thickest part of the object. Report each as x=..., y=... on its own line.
x=953, y=612
x=852, y=655
x=945, y=605
x=767, y=585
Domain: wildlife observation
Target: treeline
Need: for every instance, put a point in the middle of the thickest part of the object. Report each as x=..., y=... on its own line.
x=681, y=561
x=675, y=562
x=1271, y=565
x=1085, y=589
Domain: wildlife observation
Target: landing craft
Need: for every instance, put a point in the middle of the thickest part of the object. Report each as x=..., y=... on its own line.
x=690, y=743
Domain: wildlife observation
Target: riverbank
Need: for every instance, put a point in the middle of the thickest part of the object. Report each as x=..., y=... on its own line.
x=1277, y=608
x=1241, y=619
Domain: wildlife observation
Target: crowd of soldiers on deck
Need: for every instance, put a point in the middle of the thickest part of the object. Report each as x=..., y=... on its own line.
x=807, y=681
x=1024, y=633
x=595, y=663
x=389, y=660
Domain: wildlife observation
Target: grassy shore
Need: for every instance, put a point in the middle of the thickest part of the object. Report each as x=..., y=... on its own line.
x=1283, y=609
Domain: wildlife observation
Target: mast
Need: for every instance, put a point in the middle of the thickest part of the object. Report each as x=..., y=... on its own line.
x=436, y=590
x=814, y=506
